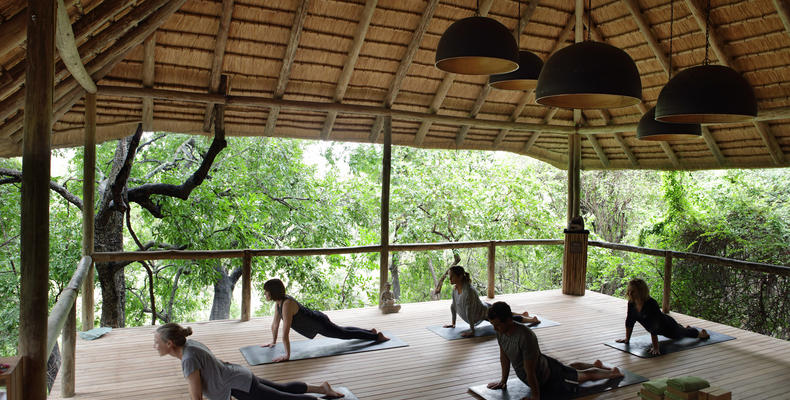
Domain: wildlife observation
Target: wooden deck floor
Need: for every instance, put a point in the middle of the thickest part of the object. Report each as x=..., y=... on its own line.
x=123, y=364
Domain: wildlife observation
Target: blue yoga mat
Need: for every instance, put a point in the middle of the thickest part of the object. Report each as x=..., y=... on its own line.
x=319, y=347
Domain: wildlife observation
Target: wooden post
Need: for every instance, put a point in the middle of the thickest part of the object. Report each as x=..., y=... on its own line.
x=667, y=281
x=385, y=204
x=246, y=285
x=69, y=353
x=491, y=269
x=40, y=75
x=88, y=193
x=574, y=262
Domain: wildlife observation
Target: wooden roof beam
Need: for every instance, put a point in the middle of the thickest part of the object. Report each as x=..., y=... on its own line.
x=481, y=99
x=598, y=150
x=770, y=142
x=783, y=10
x=534, y=137
x=644, y=28
x=626, y=149
x=714, y=147
x=670, y=153
x=441, y=93
x=715, y=42
x=149, y=62
x=526, y=97
x=217, y=60
x=351, y=61
x=288, y=60
x=403, y=67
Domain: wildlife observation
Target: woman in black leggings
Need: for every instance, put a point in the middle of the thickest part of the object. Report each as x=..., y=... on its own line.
x=210, y=377
x=305, y=321
x=644, y=309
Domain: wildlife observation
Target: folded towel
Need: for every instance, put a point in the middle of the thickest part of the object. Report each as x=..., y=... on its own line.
x=657, y=386
x=670, y=396
x=94, y=334
x=687, y=383
x=648, y=395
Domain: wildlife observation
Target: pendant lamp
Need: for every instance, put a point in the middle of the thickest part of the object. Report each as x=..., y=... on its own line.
x=650, y=129
x=707, y=93
x=477, y=46
x=529, y=66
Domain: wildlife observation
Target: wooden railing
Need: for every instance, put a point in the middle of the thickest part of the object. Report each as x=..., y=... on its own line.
x=63, y=319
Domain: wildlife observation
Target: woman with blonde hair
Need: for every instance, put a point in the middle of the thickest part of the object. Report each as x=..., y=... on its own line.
x=217, y=380
x=467, y=303
x=644, y=309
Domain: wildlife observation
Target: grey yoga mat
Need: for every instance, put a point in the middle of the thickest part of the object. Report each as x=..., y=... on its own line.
x=640, y=345
x=483, y=329
x=517, y=390
x=340, y=389
x=319, y=347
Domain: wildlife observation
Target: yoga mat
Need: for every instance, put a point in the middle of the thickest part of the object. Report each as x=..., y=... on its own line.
x=640, y=345
x=320, y=347
x=483, y=329
x=517, y=390
x=339, y=389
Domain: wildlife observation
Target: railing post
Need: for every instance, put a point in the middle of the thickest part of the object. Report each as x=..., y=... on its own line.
x=88, y=192
x=667, y=280
x=246, y=285
x=69, y=352
x=491, y=269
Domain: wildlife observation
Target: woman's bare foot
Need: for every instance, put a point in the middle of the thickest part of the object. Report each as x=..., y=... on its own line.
x=703, y=334
x=381, y=338
x=615, y=373
x=329, y=393
x=598, y=364
x=375, y=332
x=468, y=333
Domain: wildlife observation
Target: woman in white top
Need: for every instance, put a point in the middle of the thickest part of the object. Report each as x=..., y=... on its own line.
x=217, y=380
x=467, y=303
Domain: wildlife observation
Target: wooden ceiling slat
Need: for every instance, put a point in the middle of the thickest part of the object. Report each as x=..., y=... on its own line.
x=218, y=59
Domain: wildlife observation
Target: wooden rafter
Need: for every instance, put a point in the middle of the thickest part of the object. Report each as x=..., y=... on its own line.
x=351, y=61
x=526, y=98
x=67, y=49
x=447, y=82
x=670, y=153
x=149, y=61
x=626, y=149
x=598, y=150
x=770, y=142
x=647, y=33
x=405, y=63
x=218, y=59
x=783, y=10
x=481, y=99
x=288, y=60
x=714, y=147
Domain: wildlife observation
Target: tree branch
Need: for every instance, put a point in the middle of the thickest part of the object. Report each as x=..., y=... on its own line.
x=15, y=176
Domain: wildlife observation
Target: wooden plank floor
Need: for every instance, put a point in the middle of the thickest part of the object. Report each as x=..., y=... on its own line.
x=123, y=364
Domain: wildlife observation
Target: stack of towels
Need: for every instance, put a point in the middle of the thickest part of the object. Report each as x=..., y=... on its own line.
x=684, y=388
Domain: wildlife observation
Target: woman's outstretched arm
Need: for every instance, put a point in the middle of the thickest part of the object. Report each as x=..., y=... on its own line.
x=195, y=387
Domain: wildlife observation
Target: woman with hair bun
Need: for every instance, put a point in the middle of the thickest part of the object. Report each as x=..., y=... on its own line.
x=217, y=380
x=467, y=303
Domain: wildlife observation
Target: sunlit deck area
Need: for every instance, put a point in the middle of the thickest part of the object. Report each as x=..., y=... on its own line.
x=123, y=364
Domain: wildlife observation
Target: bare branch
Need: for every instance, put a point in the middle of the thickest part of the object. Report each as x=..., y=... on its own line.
x=16, y=177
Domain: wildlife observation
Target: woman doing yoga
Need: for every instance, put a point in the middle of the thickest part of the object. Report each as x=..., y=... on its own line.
x=644, y=309
x=305, y=321
x=467, y=303
x=217, y=380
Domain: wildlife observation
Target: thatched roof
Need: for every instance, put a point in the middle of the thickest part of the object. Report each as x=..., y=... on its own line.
x=290, y=62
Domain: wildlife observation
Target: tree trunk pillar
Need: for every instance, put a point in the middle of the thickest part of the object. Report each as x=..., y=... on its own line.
x=246, y=286
x=574, y=262
x=69, y=352
x=491, y=269
x=88, y=213
x=667, y=281
x=385, y=204
x=38, y=118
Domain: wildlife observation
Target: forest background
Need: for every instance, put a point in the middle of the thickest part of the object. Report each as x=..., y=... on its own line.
x=280, y=193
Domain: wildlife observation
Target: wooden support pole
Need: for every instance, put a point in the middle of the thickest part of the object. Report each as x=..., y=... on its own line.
x=667, y=280
x=574, y=176
x=246, y=286
x=39, y=81
x=69, y=352
x=491, y=269
x=88, y=194
x=386, y=169
x=574, y=262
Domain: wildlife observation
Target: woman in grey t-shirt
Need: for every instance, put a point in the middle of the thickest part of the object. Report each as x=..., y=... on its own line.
x=467, y=303
x=217, y=380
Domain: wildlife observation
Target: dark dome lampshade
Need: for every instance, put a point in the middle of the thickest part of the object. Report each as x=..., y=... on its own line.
x=589, y=75
x=706, y=94
x=650, y=129
x=477, y=46
x=524, y=78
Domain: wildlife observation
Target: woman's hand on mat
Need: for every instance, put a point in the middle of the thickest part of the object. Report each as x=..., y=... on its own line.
x=497, y=385
x=622, y=341
x=655, y=350
x=282, y=358
x=272, y=344
x=449, y=326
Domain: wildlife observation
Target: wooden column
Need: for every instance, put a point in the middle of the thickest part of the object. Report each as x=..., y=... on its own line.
x=574, y=176
x=574, y=262
x=88, y=193
x=491, y=269
x=385, y=204
x=246, y=286
x=667, y=281
x=69, y=352
x=39, y=78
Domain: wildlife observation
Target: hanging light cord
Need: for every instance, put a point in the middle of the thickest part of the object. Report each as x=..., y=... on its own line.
x=589, y=19
x=477, y=9
x=707, y=34
x=518, y=27
x=671, y=34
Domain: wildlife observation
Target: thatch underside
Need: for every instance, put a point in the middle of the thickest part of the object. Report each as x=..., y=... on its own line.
x=375, y=54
